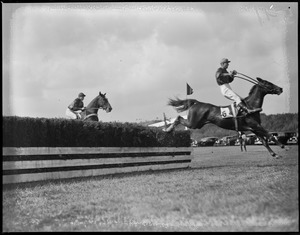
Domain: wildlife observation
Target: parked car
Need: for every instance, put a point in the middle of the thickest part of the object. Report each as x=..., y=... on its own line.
x=275, y=134
x=207, y=141
x=257, y=141
x=251, y=139
x=227, y=140
x=194, y=143
x=292, y=140
x=283, y=137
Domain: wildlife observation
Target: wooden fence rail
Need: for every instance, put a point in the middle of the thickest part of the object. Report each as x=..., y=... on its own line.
x=37, y=164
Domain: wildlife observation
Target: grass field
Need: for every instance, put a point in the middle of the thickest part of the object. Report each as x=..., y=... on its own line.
x=225, y=190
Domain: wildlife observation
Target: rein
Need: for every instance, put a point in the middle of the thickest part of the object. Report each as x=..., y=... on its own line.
x=248, y=77
x=92, y=108
x=252, y=80
x=256, y=83
x=91, y=114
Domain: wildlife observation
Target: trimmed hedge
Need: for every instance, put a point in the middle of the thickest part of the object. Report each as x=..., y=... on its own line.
x=59, y=132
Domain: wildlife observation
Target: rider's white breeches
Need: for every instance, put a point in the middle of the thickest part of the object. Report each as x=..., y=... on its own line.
x=72, y=115
x=229, y=93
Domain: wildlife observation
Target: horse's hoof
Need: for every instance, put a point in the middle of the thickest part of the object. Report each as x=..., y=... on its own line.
x=278, y=156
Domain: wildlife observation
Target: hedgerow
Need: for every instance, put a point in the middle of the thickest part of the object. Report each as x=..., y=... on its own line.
x=59, y=132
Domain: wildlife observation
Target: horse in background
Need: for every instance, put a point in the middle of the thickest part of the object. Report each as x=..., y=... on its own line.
x=200, y=113
x=91, y=111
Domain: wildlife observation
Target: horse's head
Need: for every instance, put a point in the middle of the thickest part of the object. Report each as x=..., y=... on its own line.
x=269, y=87
x=103, y=102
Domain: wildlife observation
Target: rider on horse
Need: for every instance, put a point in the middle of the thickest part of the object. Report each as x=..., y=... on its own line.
x=223, y=79
x=76, y=107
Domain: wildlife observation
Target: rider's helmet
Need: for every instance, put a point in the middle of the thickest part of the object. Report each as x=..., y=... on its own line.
x=224, y=60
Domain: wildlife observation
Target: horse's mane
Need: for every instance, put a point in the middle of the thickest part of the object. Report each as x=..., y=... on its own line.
x=93, y=101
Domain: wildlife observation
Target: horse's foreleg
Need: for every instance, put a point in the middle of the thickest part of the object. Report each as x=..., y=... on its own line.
x=264, y=136
x=276, y=141
x=266, y=144
x=274, y=138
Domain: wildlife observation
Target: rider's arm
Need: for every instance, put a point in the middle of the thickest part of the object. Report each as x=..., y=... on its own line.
x=223, y=77
x=76, y=105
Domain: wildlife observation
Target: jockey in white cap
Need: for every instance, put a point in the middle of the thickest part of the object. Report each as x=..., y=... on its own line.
x=223, y=79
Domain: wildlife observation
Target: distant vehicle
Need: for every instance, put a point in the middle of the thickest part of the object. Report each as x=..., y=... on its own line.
x=282, y=137
x=275, y=134
x=227, y=140
x=292, y=140
x=207, y=141
x=194, y=143
x=251, y=139
x=257, y=141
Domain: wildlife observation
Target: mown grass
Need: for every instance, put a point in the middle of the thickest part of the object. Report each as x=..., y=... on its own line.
x=225, y=190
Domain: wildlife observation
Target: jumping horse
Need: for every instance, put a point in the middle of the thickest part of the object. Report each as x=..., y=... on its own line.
x=91, y=111
x=200, y=113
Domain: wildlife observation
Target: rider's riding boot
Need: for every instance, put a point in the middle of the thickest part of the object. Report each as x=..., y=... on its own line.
x=247, y=110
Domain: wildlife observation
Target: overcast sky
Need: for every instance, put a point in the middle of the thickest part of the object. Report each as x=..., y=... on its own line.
x=142, y=54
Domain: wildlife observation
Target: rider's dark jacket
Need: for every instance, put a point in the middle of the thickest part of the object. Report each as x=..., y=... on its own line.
x=77, y=104
x=222, y=78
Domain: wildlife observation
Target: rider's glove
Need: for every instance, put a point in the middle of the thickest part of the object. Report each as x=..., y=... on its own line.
x=233, y=73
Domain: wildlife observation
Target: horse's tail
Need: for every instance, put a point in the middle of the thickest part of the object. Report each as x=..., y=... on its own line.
x=182, y=105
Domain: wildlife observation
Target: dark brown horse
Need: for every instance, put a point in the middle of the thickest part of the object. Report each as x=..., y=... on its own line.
x=200, y=114
x=91, y=111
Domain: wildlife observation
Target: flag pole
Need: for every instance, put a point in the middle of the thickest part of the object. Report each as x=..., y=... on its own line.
x=189, y=91
x=186, y=95
x=186, y=99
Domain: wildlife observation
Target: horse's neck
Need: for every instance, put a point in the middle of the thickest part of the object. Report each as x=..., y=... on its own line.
x=92, y=106
x=256, y=98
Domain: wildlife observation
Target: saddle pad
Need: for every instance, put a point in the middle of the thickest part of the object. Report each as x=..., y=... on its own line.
x=228, y=111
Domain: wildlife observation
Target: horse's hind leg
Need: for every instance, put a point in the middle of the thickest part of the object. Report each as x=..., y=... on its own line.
x=178, y=120
x=185, y=122
x=173, y=125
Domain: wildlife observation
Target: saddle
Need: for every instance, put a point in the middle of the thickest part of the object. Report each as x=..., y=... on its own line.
x=233, y=111
x=230, y=111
